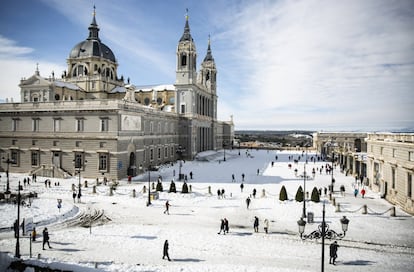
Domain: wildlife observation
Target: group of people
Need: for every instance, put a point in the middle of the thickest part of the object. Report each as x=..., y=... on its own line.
x=224, y=226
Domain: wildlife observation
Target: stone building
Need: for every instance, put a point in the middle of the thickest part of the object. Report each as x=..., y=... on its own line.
x=347, y=148
x=385, y=160
x=91, y=121
x=391, y=167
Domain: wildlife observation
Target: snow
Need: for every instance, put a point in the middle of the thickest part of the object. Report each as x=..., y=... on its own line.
x=133, y=238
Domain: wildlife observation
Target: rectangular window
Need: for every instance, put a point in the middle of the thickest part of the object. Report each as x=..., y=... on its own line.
x=409, y=185
x=78, y=143
x=183, y=108
x=56, y=125
x=102, y=144
x=79, y=124
x=14, y=157
x=166, y=152
x=159, y=153
x=393, y=178
x=411, y=155
x=104, y=124
x=103, y=162
x=15, y=124
x=394, y=152
x=55, y=143
x=151, y=129
x=35, y=158
x=151, y=154
x=78, y=160
x=14, y=142
x=382, y=150
x=35, y=124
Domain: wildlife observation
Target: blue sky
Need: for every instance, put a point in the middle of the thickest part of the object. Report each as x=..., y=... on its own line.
x=304, y=64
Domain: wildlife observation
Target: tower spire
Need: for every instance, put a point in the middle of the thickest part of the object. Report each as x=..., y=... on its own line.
x=186, y=35
x=93, y=28
x=209, y=56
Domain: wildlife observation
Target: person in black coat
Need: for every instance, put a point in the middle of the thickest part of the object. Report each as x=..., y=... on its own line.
x=45, y=238
x=256, y=224
x=333, y=250
x=166, y=251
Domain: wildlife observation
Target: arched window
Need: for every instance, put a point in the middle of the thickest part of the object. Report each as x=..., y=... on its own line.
x=57, y=97
x=146, y=101
x=183, y=60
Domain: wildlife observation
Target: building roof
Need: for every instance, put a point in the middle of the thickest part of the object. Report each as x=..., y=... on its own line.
x=92, y=46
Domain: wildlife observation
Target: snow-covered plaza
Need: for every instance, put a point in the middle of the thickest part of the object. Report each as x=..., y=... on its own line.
x=128, y=235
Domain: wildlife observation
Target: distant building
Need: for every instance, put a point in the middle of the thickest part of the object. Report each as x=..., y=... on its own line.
x=91, y=121
x=391, y=167
x=385, y=160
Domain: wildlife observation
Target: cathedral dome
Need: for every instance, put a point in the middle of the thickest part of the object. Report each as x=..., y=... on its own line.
x=92, y=46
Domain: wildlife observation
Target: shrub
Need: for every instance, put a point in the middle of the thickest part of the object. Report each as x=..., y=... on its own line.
x=172, y=187
x=299, y=194
x=283, y=194
x=185, y=188
x=159, y=187
x=315, y=195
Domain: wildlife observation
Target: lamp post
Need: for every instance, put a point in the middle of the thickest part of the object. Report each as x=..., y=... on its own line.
x=304, y=191
x=224, y=148
x=323, y=232
x=149, y=186
x=17, y=253
x=8, y=161
x=332, y=177
x=78, y=167
x=180, y=151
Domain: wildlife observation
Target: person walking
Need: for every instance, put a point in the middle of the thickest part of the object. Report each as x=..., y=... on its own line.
x=222, y=227
x=165, y=251
x=226, y=226
x=256, y=224
x=34, y=234
x=363, y=192
x=333, y=252
x=241, y=187
x=266, y=225
x=232, y=178
x=46, y=238
x=167, y=207
x=248, y=202
x=254, y=192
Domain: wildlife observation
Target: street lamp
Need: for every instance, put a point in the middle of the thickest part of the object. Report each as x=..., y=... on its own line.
x=149, y=182
x=8, y=161
x=180, y=151
x=304, y=191
x=332, y=177
x=78, y=167
x=17, y=253
x=224, y=148
x=323, y=232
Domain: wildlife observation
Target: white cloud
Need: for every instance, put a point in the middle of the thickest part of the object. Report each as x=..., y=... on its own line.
x=323, y=63
x=16, y=63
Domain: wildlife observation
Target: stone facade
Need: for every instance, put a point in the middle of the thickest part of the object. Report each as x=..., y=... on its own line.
x=386, y=160
x=391, y=167
x=89, y=121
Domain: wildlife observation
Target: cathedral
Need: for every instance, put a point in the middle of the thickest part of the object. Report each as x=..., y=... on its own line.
x=92, y=122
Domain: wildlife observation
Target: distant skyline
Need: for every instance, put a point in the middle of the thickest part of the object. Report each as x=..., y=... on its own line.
x=282, y=65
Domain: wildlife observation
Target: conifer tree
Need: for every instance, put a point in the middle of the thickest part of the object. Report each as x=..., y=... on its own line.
x=283, y=194
x=315, y=195
x=159, y=187
x=299, y=194
x=172, y=187
x=185, y=188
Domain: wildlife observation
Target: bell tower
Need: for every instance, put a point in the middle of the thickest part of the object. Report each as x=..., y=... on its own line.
x=186, y=72
x=208, y=72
